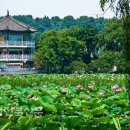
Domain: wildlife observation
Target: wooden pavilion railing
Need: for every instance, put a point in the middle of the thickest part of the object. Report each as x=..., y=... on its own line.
x=17, y=44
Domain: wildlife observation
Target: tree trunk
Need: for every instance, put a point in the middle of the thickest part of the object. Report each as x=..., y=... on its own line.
x=126, y=23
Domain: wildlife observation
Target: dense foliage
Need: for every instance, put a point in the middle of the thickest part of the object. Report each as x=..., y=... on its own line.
x=57, y=49
x=55, y=22
x=100, y=51
x=65, y=102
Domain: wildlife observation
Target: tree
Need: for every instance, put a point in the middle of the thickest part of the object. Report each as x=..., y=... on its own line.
x=111, y=38
x=83, y=20
x=40, y=26
x=68, y=21
x=107, y=61
x=122, y=8
x=76, y=67
x=56, y=50
x=46, y=22
x=88, y=35
x=56, y=22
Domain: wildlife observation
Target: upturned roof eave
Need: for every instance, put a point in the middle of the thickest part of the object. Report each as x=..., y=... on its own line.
x=17, y=30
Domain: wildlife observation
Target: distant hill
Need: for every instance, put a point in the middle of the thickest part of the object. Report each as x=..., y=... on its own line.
x=56, y=22
x=46, y=23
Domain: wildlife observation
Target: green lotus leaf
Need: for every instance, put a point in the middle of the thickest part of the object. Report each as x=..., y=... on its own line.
x=46, y=99
x=83, y=95
x=3, y=122
x=76, y=102
x=103, y=120
x=99, y=111
x=5, y=87
x=49, y=107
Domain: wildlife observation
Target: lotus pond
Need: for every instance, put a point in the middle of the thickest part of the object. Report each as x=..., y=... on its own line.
x=64, y=102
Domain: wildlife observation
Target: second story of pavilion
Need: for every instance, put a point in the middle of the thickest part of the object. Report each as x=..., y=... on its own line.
x=14, y=33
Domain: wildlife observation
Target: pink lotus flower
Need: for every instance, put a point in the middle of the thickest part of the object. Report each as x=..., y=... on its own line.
x=88, y=98
x=119, y=90
x=126, y=117
x=115, y=87
x=101, y=94
x=29, y=96
x=13, y=108
x=45, y=86
x=79, y=86
x=90, y=86
x=64, y=91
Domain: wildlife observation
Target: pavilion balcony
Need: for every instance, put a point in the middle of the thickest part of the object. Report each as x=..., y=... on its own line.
x=14, y=57
x=20, y=44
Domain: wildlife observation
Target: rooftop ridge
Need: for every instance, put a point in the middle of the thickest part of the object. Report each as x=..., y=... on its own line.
x=20, y=25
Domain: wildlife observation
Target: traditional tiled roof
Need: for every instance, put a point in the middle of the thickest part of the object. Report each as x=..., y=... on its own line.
x=9, y=23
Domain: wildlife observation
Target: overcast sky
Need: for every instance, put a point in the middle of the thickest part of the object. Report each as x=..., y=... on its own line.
x=61, y=8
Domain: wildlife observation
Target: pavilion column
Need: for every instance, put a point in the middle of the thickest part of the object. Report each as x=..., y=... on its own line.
x=22, y=53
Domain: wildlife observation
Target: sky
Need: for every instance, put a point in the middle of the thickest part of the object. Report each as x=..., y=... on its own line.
x=61, y=8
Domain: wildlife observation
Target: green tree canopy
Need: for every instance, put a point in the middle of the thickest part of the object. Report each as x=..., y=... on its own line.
x=111, y=38
x=88, y=35
x=107, y=62
x=69, y=21
x=56, y=51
